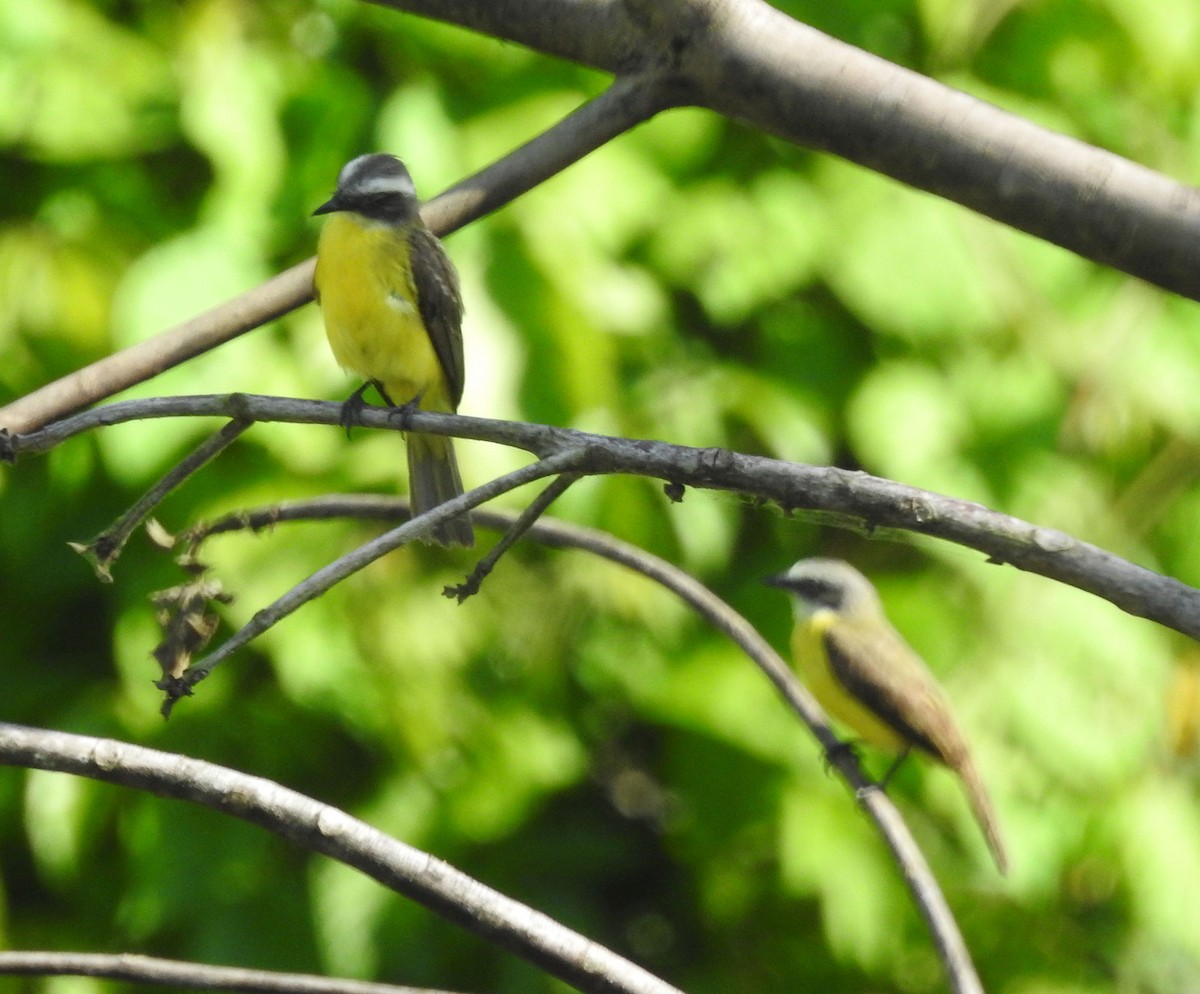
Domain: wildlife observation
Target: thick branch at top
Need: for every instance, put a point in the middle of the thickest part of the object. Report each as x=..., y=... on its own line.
x=753, y=63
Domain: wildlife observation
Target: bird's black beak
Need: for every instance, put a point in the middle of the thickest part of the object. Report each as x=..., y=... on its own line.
x=330, y=206
x=778, y=580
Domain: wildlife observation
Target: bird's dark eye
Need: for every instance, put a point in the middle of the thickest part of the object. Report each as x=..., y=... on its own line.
x=388, y=206
x=820, y=592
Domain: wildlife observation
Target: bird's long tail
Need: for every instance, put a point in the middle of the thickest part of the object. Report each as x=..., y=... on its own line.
x=981, y=805
x=432, y=480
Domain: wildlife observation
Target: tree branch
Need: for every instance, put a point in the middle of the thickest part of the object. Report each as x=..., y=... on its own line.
x=628, y=102
x=320, y=828
x=103, y=550
x=755, y=64
x=333, y=573
x=852, y=500
x=195, y=976
x=875, y=803
x=512, y=534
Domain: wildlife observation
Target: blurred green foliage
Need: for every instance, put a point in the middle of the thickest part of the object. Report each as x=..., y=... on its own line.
x=571, y=735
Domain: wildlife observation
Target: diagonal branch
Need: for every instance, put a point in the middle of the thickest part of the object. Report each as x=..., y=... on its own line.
x=333, y=573
x=320, y=828
x=512, y=534
x=103, y=550
x=194, y=976
x=875, y=803
x=751, y=62
x=624, y=105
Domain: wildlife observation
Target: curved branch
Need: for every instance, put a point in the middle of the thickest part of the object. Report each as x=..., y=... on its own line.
x=875, y=803
x=194, y=976
x=320, y=828
x=145, y=360
x=753, y=63
x=853, y=499
x=878, y=806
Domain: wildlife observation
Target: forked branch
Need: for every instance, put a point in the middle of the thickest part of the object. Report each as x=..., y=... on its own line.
x=848, y=499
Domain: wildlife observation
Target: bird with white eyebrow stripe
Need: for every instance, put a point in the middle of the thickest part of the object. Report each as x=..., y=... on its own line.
x=393, y=314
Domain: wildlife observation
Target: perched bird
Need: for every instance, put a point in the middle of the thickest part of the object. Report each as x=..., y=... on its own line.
x=865, y=675
x=393, y=314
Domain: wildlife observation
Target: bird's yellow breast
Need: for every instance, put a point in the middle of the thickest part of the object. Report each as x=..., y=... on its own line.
x=812, y=664
x=366, y=289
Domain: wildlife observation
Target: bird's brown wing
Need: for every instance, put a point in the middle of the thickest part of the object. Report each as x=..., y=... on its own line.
x=440, y=304
x=880, y=669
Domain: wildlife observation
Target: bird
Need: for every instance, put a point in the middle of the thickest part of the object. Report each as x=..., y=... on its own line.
x=863, y=673
x=393, y=313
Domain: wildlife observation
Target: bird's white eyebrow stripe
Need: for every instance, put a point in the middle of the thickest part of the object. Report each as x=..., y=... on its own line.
x=385, y=184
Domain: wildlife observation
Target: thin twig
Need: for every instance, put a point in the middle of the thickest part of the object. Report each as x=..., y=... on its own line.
x=323, y=579
x=322, y=508
x=103, y=550
x=318, y=827
x=537, y=507
x=195, y=976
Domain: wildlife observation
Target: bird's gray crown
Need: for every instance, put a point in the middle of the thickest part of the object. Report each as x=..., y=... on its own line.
x=375, y=174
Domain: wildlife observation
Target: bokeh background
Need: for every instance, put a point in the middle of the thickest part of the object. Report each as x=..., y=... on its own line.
x=573, y=736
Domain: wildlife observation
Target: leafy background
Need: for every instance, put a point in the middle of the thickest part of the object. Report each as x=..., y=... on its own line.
x=572, y=736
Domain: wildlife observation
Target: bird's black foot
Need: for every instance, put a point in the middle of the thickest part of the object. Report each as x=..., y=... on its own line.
x=891, y=770
x=402, y=412
x=352, y=408
x=882, y=785
x=841, y=749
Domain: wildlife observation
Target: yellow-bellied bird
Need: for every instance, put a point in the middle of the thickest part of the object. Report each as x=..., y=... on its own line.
x=865, y=675
x=393, y=314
